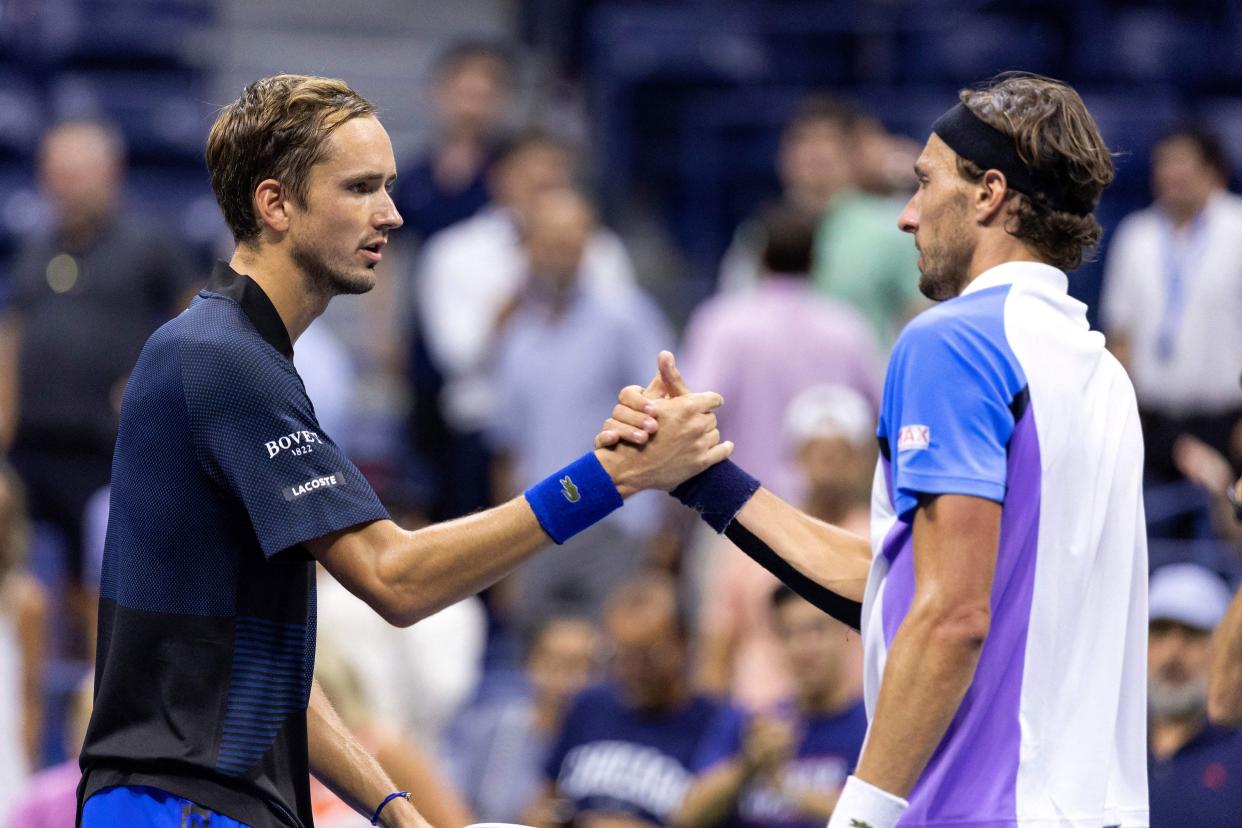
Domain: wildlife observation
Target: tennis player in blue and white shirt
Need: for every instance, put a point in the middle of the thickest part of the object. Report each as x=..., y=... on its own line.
x=1002, y=595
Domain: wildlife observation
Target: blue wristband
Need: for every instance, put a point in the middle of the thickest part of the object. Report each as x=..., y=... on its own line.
x=718, y=493
x=403, y=794
x=574, y=498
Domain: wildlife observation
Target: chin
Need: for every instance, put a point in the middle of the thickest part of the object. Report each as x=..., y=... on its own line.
x=353, y=284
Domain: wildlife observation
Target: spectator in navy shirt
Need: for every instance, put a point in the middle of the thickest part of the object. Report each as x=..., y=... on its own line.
x=448, y=183
x=496, y=749
x=1195, y=774
x=785, y=767
x=625, y=752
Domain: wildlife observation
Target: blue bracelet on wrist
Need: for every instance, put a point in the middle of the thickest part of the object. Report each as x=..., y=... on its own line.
x=717, y=493
x=395, y=794
x=574, y=498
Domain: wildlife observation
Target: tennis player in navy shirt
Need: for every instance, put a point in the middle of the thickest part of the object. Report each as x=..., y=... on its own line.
x=225, y=491
x=784, y=768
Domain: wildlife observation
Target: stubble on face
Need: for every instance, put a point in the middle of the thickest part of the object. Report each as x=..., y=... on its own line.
x=946, y=259
x=324, y=279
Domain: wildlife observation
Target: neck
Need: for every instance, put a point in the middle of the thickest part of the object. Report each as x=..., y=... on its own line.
x=1183, y=214
x=296, y=300
x=675, y=696
x=1169, y=735
x=826, y=700
x=547, y=715
x=997, y=248
x=78, y=234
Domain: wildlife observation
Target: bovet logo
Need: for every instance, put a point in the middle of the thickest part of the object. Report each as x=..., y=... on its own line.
x=299, y=441
x=313, y=485
x=913, y=437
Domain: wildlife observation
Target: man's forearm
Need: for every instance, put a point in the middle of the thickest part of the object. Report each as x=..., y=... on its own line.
x=1225, y=678
x=340, y=762
x=930, y=666
x=834, y=558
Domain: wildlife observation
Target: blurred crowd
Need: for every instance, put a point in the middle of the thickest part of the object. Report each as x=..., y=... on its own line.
x=642, y=673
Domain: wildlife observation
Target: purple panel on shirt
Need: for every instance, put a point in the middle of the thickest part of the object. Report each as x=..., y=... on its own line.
x=899, y=583
x=972, y=775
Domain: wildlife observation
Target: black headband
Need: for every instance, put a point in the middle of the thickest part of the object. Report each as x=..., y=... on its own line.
x=992, y=149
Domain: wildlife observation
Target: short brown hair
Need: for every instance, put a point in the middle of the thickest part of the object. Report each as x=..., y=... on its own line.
x=1053, y=133
x=788, y=240
x=279, y=129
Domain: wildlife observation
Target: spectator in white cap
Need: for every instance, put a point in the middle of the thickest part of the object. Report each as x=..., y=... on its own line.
x=829, y=433
x=1195, y=767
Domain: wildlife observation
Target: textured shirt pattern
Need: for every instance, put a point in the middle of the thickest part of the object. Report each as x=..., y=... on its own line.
x=207, y=619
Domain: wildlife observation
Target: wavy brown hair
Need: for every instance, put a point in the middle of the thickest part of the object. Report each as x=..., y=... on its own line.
x=278, y=129
x=1053, y=133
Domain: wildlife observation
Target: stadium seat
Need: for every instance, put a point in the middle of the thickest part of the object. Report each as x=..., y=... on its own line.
x=164, y=115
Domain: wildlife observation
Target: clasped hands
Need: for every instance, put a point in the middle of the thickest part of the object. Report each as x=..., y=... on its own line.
x=661, y=435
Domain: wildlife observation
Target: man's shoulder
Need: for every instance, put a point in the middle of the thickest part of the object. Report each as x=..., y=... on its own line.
x=1222, y=741
x=704, y=710
x=1230, y=205
x=218, y=347
x=963, y=334
x=602, y=696
x=945, y=321
x=1137, y=226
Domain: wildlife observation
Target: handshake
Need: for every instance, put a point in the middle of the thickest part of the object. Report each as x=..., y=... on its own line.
x=661, y=435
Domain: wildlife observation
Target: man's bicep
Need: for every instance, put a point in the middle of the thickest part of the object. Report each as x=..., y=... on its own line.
x=354, y=557
x=256, y=437
x=956, y=538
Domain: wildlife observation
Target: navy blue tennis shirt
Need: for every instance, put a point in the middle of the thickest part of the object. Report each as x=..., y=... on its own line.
x=207, y=602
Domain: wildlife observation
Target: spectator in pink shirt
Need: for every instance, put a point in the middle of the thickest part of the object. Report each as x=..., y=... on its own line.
x=761, y=347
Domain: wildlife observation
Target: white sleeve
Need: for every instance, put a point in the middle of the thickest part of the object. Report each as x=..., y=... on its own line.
x=607, y=266
x=457, y=289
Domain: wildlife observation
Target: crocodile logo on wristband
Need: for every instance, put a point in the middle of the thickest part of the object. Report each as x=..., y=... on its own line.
x=858, y=823
x=570, y=490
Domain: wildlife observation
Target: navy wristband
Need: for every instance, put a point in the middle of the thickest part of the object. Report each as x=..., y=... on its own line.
x=718, y=493
x=574, y=498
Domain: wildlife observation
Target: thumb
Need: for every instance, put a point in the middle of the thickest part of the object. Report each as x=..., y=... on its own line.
x=673, y=383
x=655, y=388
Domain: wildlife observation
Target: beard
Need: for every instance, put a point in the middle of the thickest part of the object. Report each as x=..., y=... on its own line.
x=326, y=280
x=944, y=275
x=946, y=262
x=1169, y=700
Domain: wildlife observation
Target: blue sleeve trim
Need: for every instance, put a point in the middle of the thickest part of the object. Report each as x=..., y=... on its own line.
x=913, y=485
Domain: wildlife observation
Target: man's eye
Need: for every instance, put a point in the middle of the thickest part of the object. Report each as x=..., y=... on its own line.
x=361, y=187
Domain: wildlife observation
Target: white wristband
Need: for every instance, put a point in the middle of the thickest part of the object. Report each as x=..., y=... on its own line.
x=863, y=805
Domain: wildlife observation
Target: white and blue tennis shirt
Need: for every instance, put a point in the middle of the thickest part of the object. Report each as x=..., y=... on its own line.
x=1005, y=393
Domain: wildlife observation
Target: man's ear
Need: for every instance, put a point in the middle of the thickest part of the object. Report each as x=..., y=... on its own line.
x=993, y=190
x=271, y=205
